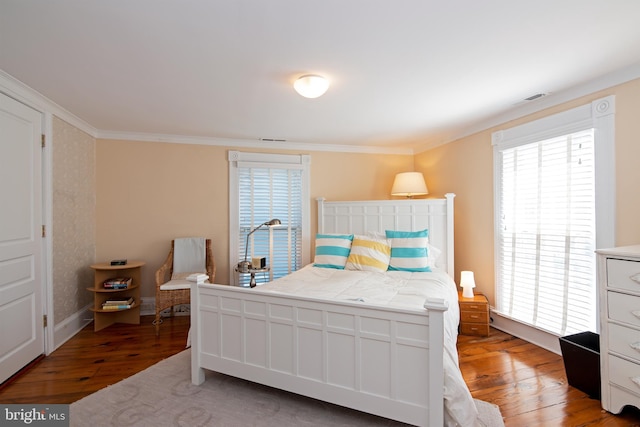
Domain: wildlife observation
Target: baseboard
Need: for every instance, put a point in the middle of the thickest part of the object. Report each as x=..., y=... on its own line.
x=70, y=326
x=533, y=335
x=73, y=324
x=148, y=308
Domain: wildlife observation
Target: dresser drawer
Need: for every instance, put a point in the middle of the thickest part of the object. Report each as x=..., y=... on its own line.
x=474, y=316
x=623, y=274
x=624, y=373
x=623, y=308
x=625, y=341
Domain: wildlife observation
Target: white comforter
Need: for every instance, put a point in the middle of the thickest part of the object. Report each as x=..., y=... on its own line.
x=397, y=289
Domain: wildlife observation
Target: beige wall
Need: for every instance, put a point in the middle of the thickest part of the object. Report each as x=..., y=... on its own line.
x=465, y=167
x=74, y=218
x=149, y=193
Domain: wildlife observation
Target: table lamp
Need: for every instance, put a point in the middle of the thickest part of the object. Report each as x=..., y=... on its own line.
x=467, y=283
x=244, y=266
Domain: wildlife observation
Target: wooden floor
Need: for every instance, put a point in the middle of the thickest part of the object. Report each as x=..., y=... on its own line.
x=529, y=384
x=91, y=361
x=526, y=382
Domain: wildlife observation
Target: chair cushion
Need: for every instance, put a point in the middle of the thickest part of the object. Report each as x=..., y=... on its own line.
x=183, y=276
x=174, y=284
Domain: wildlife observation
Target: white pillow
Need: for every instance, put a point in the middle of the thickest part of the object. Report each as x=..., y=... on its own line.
x=433, y=254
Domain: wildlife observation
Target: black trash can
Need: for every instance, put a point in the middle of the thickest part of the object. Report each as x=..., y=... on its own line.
x=581, y=354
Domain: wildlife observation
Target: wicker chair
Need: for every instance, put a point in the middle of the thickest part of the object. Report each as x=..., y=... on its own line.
x=180, y=292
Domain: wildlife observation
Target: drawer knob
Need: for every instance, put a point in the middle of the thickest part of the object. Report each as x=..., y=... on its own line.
x=635, y=278
x=636, y=380
x=635, y=345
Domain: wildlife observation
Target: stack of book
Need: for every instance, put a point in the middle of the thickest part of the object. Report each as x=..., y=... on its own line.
x=118, y=303
x=199, y=278
x=117, y=283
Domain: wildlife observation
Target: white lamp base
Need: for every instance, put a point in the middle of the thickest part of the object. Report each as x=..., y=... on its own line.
x=467, y=292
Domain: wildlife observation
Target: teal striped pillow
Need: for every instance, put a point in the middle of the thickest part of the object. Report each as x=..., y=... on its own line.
x=332, y=250
x=408, y=250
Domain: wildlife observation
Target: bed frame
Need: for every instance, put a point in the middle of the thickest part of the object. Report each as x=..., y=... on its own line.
x=380, y=360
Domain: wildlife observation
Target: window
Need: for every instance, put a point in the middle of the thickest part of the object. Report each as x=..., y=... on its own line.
x=264, y=187
x=553, y=207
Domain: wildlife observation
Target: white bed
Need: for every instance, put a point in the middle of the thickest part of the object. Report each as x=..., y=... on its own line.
x=391, y=352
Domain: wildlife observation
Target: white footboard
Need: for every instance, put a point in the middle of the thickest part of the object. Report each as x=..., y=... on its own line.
x=379, y=360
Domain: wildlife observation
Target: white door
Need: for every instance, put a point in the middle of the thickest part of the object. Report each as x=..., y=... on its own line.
x=21, y=323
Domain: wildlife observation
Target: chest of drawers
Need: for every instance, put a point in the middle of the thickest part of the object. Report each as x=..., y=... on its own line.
x=619, y=298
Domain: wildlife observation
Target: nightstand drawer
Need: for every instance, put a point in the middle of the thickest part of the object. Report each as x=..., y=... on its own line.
x=474, y=306
x=474, y=316
x=479, y=329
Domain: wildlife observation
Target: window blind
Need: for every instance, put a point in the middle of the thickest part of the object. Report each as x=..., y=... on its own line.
x=266, y=193
x=546, y=233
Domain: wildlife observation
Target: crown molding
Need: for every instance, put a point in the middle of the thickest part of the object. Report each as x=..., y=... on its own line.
x=604, y=82
x=25, y=94
x=247, y=143
x=19, y=91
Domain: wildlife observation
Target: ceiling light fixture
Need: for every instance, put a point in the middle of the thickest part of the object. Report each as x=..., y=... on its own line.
x=311, y=85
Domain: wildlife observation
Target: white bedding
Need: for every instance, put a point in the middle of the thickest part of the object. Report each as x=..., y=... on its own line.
x=396, y=289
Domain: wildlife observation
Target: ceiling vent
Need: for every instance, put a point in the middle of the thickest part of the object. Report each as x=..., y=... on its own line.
x=536, y=96
x=272, y=140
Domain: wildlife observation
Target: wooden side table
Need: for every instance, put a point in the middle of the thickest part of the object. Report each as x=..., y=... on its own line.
x=474, y=315
x=103, y=271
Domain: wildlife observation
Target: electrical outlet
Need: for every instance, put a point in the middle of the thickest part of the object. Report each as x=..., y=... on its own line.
x=178, y=310
x=182, y=309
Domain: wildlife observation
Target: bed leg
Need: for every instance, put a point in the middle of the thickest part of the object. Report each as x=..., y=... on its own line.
x=197, y=375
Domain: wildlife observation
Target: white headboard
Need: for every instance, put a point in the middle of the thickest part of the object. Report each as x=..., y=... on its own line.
x=403, y=215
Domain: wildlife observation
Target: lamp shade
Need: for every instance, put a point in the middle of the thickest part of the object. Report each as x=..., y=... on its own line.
x=409, y=184
x=311, y=85
x=467, y=282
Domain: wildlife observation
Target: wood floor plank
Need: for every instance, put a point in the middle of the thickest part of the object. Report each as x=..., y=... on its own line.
x=527, y=382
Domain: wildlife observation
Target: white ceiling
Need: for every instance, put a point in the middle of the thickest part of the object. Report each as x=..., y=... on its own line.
x=404, y=73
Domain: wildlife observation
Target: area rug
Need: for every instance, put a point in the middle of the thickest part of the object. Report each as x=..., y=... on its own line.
x=163, y=395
